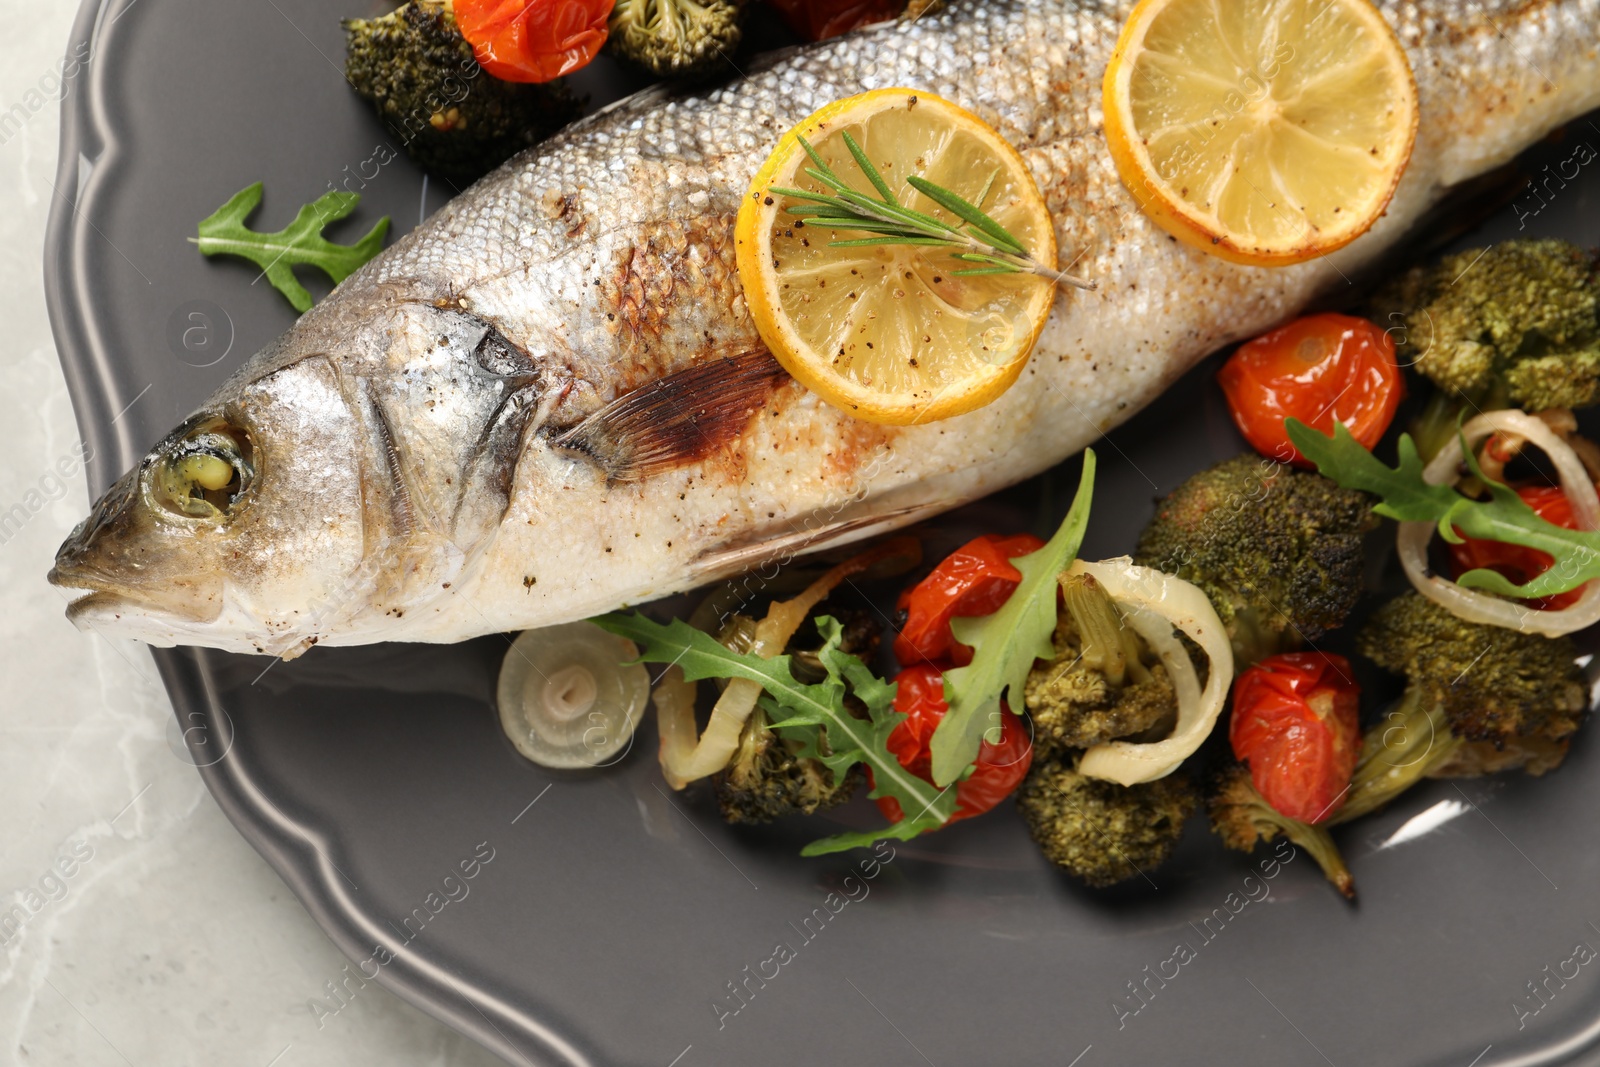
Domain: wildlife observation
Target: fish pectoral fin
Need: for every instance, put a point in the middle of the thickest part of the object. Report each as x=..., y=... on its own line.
x=677, y=419
x=853, y=524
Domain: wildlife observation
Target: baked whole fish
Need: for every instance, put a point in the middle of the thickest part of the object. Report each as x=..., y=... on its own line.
x=549, y=400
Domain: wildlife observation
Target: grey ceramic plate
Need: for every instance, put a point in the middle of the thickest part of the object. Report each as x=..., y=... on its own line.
x=606, y=920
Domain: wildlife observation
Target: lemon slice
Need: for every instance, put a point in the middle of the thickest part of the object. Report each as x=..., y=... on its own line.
x=1266, y=131
x=894, y=333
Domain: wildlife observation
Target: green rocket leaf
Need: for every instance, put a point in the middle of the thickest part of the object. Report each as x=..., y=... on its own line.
x=797, y=710
x=1006, y=643
x=224, y=233
x=1406, y=496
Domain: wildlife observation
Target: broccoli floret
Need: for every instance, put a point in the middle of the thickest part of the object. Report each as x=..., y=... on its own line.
x=1278, y=551
x=1243, y=818
x=859, y=635
x=1479, y=699
x=1518, y=323
x=1409, y=744
x=1531, y=755
x=456, y=120
x=1492, y=684
x=675, y=38
x=1101, y=832
x=766, y=779
x=1073, y=707
x=1102, y=683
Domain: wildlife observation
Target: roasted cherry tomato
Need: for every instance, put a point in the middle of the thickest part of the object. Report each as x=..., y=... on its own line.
x=975, y=579
x=816, y=19
x=1518, y=563
x=1317, y=369
x=1000, y=768
x=1295, y=723
x=533, y=40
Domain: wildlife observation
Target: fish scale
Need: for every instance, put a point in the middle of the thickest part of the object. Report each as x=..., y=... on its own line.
x=550, y=400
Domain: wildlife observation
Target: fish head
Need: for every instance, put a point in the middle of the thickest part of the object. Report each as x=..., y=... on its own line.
x=349, y=474
x=242, y=510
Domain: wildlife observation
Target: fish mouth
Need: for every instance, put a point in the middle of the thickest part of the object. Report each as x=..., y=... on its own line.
x=94, y=597
x=102, y=597
x=97, y=602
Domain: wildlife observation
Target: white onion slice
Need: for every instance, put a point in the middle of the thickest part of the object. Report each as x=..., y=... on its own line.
x=564, y=701
x=674, y=700
x=685, y=758
x=1469, y=604
x=1154, y=603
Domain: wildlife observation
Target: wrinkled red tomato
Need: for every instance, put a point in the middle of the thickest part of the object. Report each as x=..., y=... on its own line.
x=975, y=579
x=1316, y=369
x=1001, y=765
x=817, y=19
x=1295, y=724
x=1518, y=563
x=533, y=40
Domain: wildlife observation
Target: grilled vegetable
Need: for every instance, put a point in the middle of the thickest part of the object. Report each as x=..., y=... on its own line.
x=533, y=40
x=1295, y=724
x=1003, y=758
x=1103, y=683
x=454, y=120
x=1478, y=698
x=1006, y=642
x=816, y=20
x=973, y=580
x=1514, y=324
x=1407, y=491
x=1100, y=832
x=1320, y=369
x=676, y=38
x=1520, y=564
x=1243, y=819
x=1277, y=550
x=769, y=778
x=815, y=716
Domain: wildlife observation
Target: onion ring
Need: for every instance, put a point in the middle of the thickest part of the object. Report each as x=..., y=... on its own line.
x=1154, y=603
x=1413, y=538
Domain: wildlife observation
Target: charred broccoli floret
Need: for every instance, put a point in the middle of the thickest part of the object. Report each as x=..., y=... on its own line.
x=1101, y=832
x=1479, y=699
x=1102, y=683
x=457, y=121
x=1518, y=323
x=674, y=38
x=1493, y=684
x=859, y=635
x=1278, y=551
x=767, y=778
x=1243, y=818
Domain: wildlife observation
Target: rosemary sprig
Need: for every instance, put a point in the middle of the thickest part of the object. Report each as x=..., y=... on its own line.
x=982, y=241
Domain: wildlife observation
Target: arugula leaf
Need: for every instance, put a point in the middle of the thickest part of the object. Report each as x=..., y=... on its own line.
x=798, y=710
x=1006, y=643
x=1405, y=496
x=224, y=233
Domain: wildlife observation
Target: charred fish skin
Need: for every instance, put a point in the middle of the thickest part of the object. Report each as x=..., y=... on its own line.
x=549, y=400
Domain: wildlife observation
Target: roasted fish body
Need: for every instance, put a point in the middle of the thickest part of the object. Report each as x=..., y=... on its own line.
x=549, y=400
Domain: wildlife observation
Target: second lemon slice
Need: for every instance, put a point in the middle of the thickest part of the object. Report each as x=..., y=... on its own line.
x=895, y=333
x=1264, y=131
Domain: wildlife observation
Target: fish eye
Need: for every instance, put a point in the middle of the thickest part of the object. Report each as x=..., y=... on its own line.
x=201, y=473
